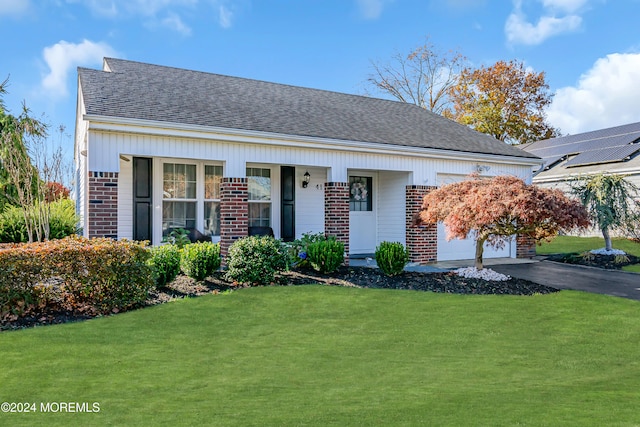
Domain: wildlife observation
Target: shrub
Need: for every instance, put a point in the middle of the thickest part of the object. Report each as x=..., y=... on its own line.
x=391, y=258
x=63, y=222
x=255, y=260
x=326, y=255
x=178, y=237
x=298, y=249
x=12, y=228
x=165, y=262
x=97, y=275
x=199, y=260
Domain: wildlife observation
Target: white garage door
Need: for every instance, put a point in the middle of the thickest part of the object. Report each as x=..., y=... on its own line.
x=464, y=249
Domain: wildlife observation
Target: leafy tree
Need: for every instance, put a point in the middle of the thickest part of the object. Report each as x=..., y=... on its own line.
x=609, y=201
x=505, y=100
x=423, y=77
x=494, y=209
x=19, y=178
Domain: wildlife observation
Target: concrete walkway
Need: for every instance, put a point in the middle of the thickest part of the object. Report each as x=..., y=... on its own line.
x=548, y=273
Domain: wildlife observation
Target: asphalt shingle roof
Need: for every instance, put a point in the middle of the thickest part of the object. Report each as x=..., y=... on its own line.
x=151, y=92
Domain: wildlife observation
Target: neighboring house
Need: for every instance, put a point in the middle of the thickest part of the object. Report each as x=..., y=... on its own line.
x=159, y=148
x=612, y=150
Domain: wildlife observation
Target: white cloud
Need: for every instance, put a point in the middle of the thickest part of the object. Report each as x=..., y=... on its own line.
x=605, y=96
x=519, y=30
x=14, y=7
x=371, y=9
x=567, y=6
x=224, y=16
x=111, y=8
x=63, y=57
x=173, y=22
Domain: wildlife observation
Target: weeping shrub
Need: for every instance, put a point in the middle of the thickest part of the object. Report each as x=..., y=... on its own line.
x=391, y=258
x=256, y=260
x=326, y=255
x=199, y=260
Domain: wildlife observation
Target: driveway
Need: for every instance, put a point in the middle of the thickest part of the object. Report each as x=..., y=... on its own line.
x=565, y=276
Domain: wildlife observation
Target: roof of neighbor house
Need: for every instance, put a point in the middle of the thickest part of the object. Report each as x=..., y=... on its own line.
x=612, y=149
x=134, y=90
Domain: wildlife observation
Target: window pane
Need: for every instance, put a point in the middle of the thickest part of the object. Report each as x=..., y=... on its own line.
x=360, y=196
x=179, y=181
x=212, y=218
x=259, y=183
x=178, y=215
x=260, y=214
x=212, y=180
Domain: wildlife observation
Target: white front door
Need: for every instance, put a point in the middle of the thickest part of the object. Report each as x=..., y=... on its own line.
x=362, y=213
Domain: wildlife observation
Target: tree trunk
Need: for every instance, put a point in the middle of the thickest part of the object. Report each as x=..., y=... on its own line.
x=479, y=251
x=607, y=239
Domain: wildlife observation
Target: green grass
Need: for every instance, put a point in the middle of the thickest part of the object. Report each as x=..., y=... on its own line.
x=568, y=244
x=331, y=356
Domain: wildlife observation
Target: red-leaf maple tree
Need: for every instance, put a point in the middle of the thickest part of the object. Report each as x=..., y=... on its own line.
x=492, y=210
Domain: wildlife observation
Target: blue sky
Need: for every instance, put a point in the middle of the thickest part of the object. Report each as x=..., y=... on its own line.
x=589, y=49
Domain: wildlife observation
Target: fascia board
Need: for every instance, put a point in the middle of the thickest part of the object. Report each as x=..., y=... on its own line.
x=157, y=128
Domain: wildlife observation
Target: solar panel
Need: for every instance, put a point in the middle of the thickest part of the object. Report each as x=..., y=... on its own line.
x=560, y=147
x=605, y=155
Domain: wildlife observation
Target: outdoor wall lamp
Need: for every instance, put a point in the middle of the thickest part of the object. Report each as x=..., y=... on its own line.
x=306, y=179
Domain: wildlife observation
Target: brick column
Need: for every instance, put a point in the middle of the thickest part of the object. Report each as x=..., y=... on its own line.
x=525, y=247
x=422, y=241
x=103, y=205
x=234, y=212
x=336, y=213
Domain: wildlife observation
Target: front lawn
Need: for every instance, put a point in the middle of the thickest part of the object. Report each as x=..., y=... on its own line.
x=320, y=355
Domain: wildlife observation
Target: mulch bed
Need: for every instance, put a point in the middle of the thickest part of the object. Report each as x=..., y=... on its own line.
x=362, y=277
x=609, y=262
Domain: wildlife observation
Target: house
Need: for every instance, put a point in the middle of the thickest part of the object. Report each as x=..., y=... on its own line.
x=159, y=148
x=612, y=150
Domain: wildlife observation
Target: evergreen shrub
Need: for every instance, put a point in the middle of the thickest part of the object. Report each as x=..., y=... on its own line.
x=391, y=258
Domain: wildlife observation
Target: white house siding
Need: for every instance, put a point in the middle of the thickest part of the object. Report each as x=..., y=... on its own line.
x=310, y=201
x=331, y=163
x=392, y=206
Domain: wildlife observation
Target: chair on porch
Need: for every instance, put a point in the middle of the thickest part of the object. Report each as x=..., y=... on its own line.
x=261, y=231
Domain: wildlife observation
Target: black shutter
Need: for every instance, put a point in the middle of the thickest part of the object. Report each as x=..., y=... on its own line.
x=142, y=195
x=288, y=203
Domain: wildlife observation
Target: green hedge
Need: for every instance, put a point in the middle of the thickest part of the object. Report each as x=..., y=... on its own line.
x=75, y=274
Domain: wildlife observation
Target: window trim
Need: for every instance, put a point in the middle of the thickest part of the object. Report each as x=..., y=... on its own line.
x=158, y=192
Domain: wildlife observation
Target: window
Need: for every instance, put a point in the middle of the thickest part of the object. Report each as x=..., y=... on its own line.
x=212, y=179
x=179, y=197
x=189, y=201
x=360, y=197
x=259, y=183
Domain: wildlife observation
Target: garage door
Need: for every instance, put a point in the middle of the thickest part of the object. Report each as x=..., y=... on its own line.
x=463, y=249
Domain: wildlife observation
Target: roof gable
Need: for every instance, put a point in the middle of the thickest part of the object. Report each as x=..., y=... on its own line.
x=141, y=91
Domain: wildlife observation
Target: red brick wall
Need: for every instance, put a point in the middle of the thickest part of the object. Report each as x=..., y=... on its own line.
x=234, y=212
x=525, y=247
x=422, y=241
x=103, y=205
x=336, y=213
